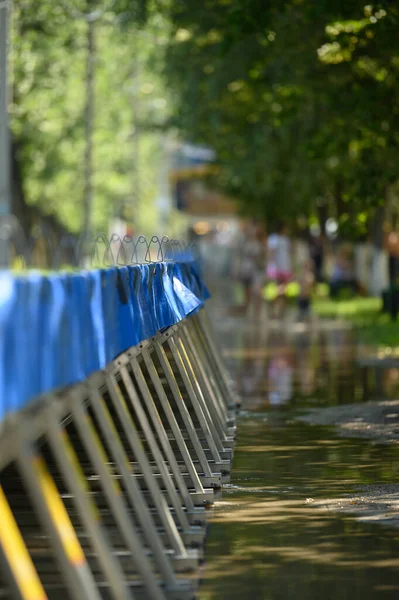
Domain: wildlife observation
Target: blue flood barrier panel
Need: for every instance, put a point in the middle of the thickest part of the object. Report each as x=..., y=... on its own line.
x=55, y=330
x=186, y=299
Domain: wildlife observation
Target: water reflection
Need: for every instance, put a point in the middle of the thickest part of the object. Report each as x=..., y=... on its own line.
x=267, y=541
x=280, y=377
x=305, y=367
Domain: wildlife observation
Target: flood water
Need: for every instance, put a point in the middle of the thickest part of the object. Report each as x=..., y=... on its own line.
x=266, y=540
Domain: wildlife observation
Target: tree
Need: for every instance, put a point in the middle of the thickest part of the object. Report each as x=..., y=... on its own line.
x=48, y=116
x=293, y=98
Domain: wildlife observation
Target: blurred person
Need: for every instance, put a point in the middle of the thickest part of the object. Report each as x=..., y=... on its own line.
x=252, y=266
x=300, y=253
x=279, y=264
x=392, y=248
x=260, y=271
x=316, y=249
x=306, y=282
x=343, y=277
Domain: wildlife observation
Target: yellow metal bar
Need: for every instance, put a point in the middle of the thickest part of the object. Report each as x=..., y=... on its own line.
x=17, y=555
x=73, y=459
x=58, y=513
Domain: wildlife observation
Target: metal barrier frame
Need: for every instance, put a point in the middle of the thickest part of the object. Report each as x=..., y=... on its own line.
x=120, y=470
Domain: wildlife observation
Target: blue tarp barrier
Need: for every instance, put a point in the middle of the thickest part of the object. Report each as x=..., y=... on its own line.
x=57, y=329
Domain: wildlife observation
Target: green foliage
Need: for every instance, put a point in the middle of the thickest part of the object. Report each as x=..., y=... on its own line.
x=299, y=99
x=49, y=54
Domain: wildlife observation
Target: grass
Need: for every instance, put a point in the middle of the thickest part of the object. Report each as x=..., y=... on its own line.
x=355, y=309
x=383, y=332
x=373, y=327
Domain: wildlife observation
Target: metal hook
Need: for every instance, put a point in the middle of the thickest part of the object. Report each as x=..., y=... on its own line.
x=165, y=242
x=101, y=238
x=141, y=240
x=126, y=241
x=155, y=240
x=114, y=239
x=51, y=250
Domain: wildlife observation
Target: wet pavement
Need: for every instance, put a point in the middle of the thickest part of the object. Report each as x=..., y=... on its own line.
x=267, y=541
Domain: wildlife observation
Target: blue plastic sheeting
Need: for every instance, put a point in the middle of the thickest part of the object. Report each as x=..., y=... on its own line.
x=55, y=330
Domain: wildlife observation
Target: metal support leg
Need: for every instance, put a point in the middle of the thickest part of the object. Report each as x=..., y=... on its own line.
x=215, y=363
x=203, y=326
x=209, y=396
x=159, y=500
x=172, y=421
x=54, y=518
x=134, y=492
x=19, y=562
x=118, y=506
x=210, y=367
x=199, y=392
x=166, y=447
x=197, y=401
x=201, y=409
x=182, y=408
x=70, y=469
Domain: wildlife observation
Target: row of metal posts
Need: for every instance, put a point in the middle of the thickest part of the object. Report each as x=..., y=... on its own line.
x=105, y=485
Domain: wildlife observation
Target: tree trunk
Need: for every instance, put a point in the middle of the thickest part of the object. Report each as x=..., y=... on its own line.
x=379, y=261
x=136, y=146
x=19, y=208
x=5, y=183
x=89, y=124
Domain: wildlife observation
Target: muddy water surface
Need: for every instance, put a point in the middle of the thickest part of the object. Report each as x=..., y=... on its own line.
x=267, y=541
